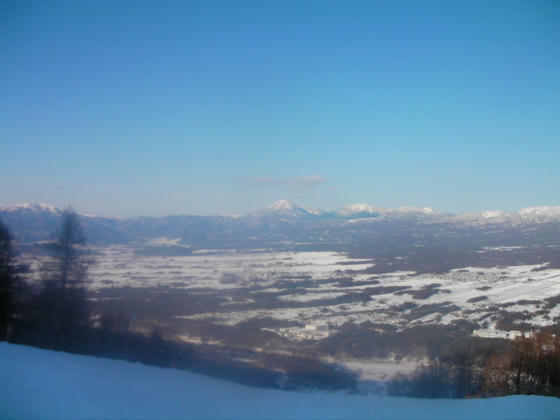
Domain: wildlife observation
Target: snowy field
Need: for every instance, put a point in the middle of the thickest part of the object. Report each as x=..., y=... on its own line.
x=119, y=265
x=41, y=384
x=324, y=290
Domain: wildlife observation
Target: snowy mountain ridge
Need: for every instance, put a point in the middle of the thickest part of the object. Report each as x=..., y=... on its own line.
x=32, y=207
x=37, y=208
x=531, y=214
x=536, y=214
x=286, y=208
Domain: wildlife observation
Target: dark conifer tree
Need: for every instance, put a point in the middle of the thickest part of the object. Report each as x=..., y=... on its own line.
x=9, y=280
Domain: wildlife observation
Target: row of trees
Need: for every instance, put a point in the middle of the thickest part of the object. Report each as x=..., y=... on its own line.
x=55, y=313
x=530, y=366
x=58, y=304
x=479, y=368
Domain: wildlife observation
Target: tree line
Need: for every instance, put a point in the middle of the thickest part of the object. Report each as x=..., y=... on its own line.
x=54, y=313
x=58, y=303
x=482, y=368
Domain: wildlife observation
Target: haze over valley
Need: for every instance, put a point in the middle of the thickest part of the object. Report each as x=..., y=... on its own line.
x=286, y=278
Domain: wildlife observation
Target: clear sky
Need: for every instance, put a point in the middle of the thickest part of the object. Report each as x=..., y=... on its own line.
x=129, y=108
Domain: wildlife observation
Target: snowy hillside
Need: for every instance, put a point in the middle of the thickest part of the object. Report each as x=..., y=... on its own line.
x=365, y=210
x=30, y=207
x=540, y=214
x=43, y=384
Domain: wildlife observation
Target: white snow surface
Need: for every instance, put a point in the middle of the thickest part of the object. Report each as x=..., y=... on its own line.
x=282, y=205
x=119, y=265
x=33, y=207
x=42, y=384
x=37, y=208
x=164, y=241
x=468, y=293
x=359, y=208
x=287, y=208
x=492, y=213
x=540, y=214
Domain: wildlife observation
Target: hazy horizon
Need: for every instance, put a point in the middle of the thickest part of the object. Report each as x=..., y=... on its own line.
x=128, y=109
x=85, y=212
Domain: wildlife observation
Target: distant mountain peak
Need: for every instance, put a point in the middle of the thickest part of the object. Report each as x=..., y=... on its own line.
x=283, y=205
x=287, y=208
x=358, y=208
x=32, y=207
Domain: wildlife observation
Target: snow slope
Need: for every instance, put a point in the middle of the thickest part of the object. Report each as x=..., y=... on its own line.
x=363, y=209
x=43, y=384
x=33, y=207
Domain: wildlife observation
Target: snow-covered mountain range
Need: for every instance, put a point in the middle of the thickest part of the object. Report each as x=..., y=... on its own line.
x=367, y=211
x=287, y=208
x=281, y=222
x=30, y=208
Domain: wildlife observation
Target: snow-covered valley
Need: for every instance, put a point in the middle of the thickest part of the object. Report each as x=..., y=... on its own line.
x=366, y=287
x=305, y=297
x=327, y=289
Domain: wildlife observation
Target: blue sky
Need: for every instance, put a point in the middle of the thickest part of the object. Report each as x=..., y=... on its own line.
x=153, y=108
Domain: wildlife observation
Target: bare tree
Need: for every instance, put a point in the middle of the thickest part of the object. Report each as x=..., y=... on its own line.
x=63, y=301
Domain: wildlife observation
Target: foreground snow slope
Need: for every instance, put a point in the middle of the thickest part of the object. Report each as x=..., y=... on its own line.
x=38, y=384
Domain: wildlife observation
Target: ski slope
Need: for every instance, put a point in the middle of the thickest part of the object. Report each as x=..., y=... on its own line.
x=43, y=384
